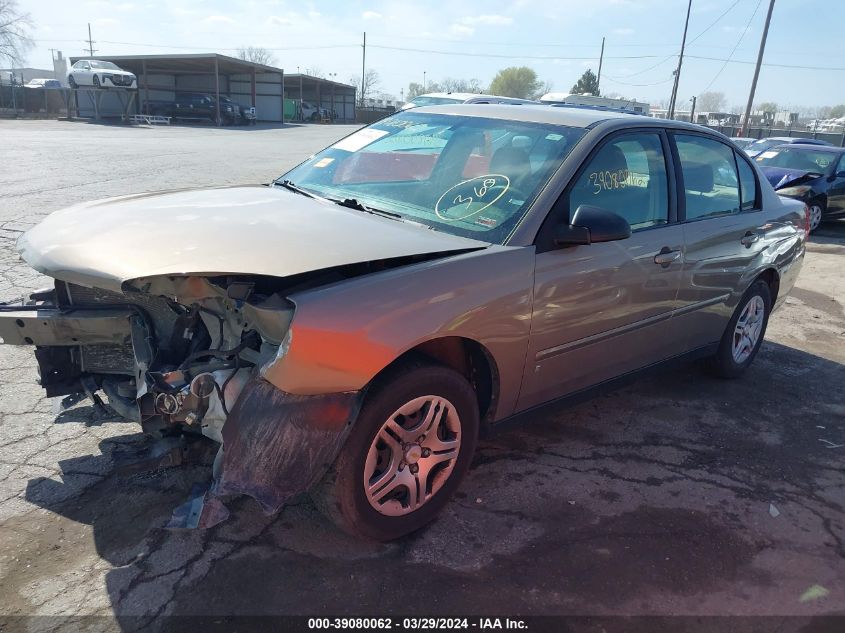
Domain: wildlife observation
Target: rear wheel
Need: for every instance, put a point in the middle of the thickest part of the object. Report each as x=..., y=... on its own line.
x=744, y=334
x=408, y=451
x=71, y=82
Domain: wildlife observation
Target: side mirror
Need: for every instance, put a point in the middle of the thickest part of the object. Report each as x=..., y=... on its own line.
x=590, y=225
x=840, y=174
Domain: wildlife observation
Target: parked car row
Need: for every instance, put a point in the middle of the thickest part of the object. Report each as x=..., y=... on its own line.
x=194, y=106
x=807, y=169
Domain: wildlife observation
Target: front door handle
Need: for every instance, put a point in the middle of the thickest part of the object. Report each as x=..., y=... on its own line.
x=749, y=238
x=666, y=256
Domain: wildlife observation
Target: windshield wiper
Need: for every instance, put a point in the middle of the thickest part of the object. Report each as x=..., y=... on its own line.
x=289, y=184
x=352, y=203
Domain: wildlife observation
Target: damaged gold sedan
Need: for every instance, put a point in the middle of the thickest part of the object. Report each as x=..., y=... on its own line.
x=349, y=329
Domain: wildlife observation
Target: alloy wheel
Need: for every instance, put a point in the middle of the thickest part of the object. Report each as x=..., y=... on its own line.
x=748, y=328
x=815, y=217
x=412, y=455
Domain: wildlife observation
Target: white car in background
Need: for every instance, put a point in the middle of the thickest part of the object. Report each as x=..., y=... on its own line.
x=444, y=98
x=100, y=74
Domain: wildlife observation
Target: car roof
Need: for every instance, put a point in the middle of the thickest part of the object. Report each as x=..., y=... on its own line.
x=815, y=148
x=453, y=95
x=573, y=116
x=790, y=139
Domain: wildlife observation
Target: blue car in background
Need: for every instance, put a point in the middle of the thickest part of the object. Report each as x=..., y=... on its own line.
x=757, y=147
x=814, y=174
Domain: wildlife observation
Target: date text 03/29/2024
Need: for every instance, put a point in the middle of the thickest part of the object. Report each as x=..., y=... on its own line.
x=413, y=624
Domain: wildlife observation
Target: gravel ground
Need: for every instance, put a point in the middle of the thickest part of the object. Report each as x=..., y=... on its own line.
x=653, y=499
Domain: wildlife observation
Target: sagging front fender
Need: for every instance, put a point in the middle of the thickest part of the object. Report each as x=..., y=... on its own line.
x=276, y=445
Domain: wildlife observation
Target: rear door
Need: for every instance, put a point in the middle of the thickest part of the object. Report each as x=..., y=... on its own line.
x=601, y=310
x=724, y=232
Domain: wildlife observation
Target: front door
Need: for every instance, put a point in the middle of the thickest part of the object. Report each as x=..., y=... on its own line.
x=836, y=189
x=602, y=310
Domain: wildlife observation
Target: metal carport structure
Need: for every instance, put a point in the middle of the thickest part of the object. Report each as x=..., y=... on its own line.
x=331, y=95
x=161, y=77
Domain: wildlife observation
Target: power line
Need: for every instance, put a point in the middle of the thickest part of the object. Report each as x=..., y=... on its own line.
x=693, y=40
x=625, y=83
x=730, y=57
x=770, y=64
x=716, y=21
x=506, y=56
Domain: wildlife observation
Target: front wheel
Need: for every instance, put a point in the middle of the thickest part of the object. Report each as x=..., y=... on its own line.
x=744, y=334
x=816, y=210
x=96, y=81
x=408, y=451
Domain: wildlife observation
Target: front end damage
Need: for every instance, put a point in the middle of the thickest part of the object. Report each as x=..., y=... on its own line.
x=186, y=357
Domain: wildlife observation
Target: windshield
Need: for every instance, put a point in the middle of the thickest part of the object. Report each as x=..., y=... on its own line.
x=104, y=65
x=428, y=101
x=468, y=176
x=797, y=158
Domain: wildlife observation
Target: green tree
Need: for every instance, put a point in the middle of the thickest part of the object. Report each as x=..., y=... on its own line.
x=837, y=111
x=516, y=81
x=588, y=84
x=767, y=106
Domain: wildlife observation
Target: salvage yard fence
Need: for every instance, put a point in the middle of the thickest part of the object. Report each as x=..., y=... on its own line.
x=19, y=100
x=834, y=138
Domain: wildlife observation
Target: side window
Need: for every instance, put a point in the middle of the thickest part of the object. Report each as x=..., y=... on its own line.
x=711, y=185
x=841, y=167
x=626, y=176
x=747, y=184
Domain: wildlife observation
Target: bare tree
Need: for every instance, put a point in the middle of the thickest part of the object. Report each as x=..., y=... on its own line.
x=315, y=71
x=255, y=54
x=14, y=32
x=711, y=102
x=458, y=85
x=370, y=82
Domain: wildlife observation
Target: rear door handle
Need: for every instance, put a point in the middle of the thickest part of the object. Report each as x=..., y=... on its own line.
x=749, y=238
x=666, y=256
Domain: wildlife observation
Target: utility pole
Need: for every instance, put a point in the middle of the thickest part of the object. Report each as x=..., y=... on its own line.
x=423, y=82
x=747, y=119
x=692, y=112
x=90, y=42
x=678, y=69
x=363, y=69
x=598, y=79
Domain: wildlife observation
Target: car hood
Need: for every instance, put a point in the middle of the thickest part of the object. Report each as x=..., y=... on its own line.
x=233, y=230
x=783, y=177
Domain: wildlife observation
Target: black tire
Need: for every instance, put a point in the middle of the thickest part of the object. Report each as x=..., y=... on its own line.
x=71, y=82
x=723, y=364
x=341, y=494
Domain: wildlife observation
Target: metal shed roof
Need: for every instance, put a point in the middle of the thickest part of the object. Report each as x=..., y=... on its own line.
x=189, y=63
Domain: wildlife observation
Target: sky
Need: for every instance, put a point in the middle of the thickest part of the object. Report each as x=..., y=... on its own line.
x=466, y=39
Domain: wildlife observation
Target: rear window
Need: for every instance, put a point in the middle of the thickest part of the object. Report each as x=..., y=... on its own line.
x=711, y=184
x=428, y=101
